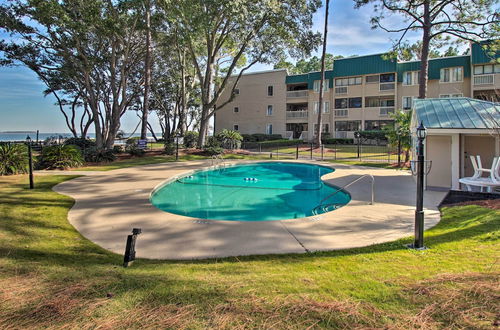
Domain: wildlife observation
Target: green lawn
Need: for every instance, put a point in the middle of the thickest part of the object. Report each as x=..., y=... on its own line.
x=50, y=276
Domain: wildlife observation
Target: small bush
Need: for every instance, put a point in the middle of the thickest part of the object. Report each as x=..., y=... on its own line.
x=338, y=141
x=60, y=157
x=213, y=146
x=80, y=142
x=190, y=139
x=170, y=148
x=133, y=150
x=281, y=142
x=117, y=149
x=373, y=135
x=261, y=137
x=95, y=155
x=13, y=159
x=229, y=139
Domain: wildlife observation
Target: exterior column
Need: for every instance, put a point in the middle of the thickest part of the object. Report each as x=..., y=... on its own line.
x=455, y=161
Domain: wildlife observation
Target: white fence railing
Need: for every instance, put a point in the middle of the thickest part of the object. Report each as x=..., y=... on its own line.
x=484, y=79
x=297, y=114
x=341, y=113
x=296, y=94
x=386, y=111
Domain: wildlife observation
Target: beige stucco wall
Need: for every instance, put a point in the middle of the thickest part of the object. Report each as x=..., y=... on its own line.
x=253, y=101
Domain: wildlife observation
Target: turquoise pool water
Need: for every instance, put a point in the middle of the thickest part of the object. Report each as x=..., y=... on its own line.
x=251, y=192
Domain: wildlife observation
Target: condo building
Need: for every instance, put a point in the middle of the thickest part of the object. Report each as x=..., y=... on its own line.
x=360, y=93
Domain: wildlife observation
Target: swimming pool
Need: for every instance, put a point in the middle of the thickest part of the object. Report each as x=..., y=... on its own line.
x=251, y=192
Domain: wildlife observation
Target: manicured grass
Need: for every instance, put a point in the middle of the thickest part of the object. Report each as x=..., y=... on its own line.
x=50, y=276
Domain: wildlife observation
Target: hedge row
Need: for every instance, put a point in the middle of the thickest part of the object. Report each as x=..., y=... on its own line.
x=338, y=141
x=261, y=137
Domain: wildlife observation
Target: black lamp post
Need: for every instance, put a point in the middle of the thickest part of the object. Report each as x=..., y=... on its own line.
x=357, y=135
x=419, y=212
x=30, y=163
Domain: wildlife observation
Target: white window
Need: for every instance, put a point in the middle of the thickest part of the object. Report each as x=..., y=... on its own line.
x=269, y=129
x=269, y=111
x=373, y=79
x=455, y=74
x=349, y=81
x=236, y=127
x=326, y=107
x=411, y=77
x=407, y=102
x=326, y=128
x=316, y=107
x=270, y=90
x=236, y=109
x=451, y=95
x=486, y=69
x=316, y=85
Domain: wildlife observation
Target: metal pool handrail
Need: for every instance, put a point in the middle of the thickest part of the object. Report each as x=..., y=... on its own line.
x=347, y=185
x=218, y=158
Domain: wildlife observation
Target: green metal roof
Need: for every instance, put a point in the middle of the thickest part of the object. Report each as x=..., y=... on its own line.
x=457, y=113
x=370, y=64
x=480, y=55
x=309, y=78
x=435, y=66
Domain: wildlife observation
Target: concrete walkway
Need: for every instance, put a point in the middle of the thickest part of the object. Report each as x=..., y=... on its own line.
x=109, y=204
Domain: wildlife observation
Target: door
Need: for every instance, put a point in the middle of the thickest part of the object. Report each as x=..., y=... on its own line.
x=439, y=152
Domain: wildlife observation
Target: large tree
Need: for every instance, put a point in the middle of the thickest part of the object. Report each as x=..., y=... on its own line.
x=322, y=78
x=435, y=20
x=93, y=43
x=257, y=31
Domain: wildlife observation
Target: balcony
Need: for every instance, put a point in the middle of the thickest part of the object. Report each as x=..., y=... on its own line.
x=297, y=94
x=484, y=79
x=387, y=87
x=341, y=113
x=386, y=111
x=297, y=114
x=341, y=90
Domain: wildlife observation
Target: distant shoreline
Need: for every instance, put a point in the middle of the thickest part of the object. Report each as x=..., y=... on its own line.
x=16, y=132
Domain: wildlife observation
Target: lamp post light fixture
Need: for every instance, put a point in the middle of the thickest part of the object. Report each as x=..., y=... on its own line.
x=419, y=212
x=30, y=162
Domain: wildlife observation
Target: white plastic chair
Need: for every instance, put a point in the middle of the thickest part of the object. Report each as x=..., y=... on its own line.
x=489, y=182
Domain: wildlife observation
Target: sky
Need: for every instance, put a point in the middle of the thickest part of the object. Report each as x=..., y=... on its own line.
x=23, y=106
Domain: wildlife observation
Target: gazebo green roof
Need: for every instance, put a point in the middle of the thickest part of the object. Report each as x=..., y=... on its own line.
x=457, y=113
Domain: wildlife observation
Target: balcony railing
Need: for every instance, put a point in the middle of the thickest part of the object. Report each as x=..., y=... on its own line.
x=387, y=86
x=484, y=79
x=385, y=111
x=297, y=114
x=341, y=90
x=296, y=94
x=341, y=113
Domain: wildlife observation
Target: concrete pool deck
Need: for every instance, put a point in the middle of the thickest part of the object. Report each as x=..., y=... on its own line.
x=109, y=204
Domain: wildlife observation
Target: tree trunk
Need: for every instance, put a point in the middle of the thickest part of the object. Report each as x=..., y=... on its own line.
x=323, y=54
x=424, y=68
x=147, y=74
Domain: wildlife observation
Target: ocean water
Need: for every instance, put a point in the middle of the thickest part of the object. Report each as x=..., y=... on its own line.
x=18, y=136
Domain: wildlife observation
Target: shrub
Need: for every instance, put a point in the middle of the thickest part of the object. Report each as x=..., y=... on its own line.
x=13, y=159
x=170, y=148
x=373, y=135
x=80, y=142
x=229, y=139
x=258, y=137
x=338, y=141
x=117, y=149
x=190, y=139
x=60, y=157
x=281, y=142
x=95, y=155
x=213, y=146
x=133, y=150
